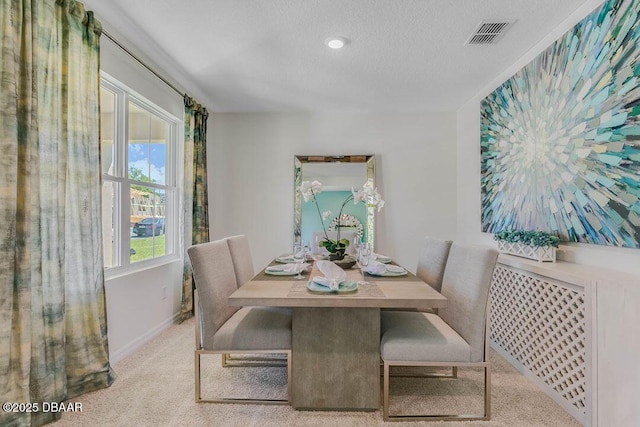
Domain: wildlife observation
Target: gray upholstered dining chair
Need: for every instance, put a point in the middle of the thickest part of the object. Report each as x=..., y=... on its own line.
x=432, y=261
x=241, y=257
x=222, y=328
x=243, y=267
x=455, y=337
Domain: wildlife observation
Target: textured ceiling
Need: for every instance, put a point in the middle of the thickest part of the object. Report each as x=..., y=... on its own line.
x=269, y=55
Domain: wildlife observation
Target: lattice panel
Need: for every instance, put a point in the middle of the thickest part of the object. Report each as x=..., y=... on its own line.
x=532, y=252
x=542, y=325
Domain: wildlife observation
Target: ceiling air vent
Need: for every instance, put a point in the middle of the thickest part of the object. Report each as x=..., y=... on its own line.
x=489, y=32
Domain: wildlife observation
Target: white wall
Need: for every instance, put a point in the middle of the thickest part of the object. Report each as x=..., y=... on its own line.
x=250, y=157
x=468, y=161
x=142, y=304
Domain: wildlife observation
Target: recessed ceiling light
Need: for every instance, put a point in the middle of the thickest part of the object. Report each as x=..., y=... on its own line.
x=336, y=42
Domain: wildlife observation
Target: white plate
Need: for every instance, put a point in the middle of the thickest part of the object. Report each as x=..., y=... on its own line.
x=277, y=271
x=399, y=271
x=285, y=259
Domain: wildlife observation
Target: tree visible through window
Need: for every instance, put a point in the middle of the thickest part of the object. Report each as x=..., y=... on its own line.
x=138, y=143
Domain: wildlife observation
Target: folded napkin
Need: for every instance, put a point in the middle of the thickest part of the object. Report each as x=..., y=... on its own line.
x=285, y=258
x=377, y=268
x=382, y=258
x=288, y=268
x=333, y=275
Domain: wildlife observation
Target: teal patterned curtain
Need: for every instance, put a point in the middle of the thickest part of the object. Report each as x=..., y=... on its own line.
x=53, y=337
x=196, y=204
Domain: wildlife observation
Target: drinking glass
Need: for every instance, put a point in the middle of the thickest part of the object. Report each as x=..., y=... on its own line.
x=363, y=257
x=319, y=251
x=299, y=256
x=307, y=250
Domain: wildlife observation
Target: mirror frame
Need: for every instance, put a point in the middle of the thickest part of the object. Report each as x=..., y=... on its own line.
x=300, y=160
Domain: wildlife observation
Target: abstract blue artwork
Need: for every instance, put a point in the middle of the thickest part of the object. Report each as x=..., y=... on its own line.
x=560, y=140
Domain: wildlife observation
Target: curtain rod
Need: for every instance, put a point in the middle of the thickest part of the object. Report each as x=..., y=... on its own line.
x=121, y=46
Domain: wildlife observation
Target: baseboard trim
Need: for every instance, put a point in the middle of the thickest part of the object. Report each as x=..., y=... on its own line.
x=117, y=356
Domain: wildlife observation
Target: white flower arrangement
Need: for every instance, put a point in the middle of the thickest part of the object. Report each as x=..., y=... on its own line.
x=367, y=194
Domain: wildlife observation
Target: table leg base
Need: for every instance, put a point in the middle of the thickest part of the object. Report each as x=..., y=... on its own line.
x=335, y=359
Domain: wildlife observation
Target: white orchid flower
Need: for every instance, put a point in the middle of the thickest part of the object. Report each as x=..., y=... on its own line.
x=326, y=215
x=309, y=189
x=368, y=195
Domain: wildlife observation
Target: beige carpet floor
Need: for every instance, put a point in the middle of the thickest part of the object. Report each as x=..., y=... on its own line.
x=155, y=388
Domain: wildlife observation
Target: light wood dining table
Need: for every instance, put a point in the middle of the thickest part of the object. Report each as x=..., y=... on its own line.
x=335, y=354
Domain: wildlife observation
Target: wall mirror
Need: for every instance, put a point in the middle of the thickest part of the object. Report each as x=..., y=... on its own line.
x=338, y=175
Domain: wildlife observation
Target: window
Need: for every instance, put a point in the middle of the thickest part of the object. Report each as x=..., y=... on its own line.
x=139, y=155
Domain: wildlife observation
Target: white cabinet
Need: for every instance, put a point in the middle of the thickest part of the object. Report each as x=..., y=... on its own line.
x=618, y=332
x=573, y=330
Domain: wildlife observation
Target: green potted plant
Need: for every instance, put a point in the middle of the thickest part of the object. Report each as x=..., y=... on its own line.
x=538, y=245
